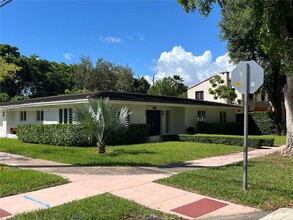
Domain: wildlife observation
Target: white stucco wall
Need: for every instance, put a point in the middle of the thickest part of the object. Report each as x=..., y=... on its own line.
x=138, y=113
x=212, y=115
x=204, y=86
x=180, y=116
x=3, y=123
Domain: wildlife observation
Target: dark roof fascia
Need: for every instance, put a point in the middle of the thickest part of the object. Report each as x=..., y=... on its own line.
x=121, y=96
x=137, y=97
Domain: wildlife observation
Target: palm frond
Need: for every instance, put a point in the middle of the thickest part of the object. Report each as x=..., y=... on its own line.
x=97, y=115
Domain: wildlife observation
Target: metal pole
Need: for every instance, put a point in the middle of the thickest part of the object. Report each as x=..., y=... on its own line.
x=245, y=143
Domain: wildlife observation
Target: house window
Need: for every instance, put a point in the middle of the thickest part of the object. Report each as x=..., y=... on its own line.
x=199, y=95
x=223, y=117
x=40, y=115
x=22, y=115
x=65, y=116
x=201, y=115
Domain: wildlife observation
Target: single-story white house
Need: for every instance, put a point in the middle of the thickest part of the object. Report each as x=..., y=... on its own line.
x=165, y=114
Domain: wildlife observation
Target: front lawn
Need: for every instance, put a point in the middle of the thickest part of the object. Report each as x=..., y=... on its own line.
x=150, y=154
x=279, y=139
x=15, y=180
x=102, y=207
x=270, y=182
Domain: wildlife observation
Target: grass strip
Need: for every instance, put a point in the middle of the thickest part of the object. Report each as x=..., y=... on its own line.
x=102, y=207
x=270, y=182
x=149, y=154
x=15, y=180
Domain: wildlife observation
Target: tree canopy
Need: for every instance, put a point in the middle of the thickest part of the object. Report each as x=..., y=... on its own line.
x=260, y=30
x=221, y=91
x=169, y=86
x=28, y=77
x=7, y=70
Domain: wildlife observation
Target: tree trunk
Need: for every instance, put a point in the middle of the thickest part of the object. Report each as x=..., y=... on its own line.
x=288, y=151
x=101, y=148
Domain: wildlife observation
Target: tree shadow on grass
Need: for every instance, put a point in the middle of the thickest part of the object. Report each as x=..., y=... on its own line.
x=120, y=152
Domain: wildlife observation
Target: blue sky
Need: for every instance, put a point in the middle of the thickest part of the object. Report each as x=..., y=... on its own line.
x=151, y=37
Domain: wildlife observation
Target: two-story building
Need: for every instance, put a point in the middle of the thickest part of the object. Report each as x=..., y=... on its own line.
x=200, y=91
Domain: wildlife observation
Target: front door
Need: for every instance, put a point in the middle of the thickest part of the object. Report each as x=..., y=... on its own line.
x=154, y=120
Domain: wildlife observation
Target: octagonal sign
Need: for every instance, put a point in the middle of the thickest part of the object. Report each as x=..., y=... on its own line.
x=238, y=76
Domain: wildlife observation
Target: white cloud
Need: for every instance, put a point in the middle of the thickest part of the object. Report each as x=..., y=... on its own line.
x=193, y=69
x=68, y=56
x=140, y=37
x=110, y=40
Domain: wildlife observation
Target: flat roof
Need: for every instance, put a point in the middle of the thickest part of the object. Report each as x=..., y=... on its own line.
x=123, y=96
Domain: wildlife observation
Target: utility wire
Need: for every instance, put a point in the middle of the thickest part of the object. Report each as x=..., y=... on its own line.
x=5, y=2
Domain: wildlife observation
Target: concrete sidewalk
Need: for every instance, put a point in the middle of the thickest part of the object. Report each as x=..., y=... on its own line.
x=133, y=183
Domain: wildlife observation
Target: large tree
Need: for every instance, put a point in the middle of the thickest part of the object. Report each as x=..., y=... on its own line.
x=169, y=86
x=237, y=28
x=273, y=34
x=140, y=85
x=7, y=70
x=104, y=75
x=36, y=77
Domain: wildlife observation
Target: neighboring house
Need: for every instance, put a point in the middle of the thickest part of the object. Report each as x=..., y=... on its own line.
x=166, y=115
x=200, y=91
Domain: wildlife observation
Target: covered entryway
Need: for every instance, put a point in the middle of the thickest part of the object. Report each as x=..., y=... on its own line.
x=154, y=120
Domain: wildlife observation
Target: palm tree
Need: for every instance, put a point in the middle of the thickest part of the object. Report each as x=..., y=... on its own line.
x=98, y=119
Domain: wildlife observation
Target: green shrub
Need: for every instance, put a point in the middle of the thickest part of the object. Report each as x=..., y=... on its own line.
x=228, y=140
x=70, y=135
x=231, y=128
x=135, y=134
x=265, y=122
x=54, y=134
x=256, y=126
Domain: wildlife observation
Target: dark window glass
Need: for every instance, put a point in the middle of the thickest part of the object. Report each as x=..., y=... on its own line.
x=65, y=115
x=60, y=116
x=70, y=115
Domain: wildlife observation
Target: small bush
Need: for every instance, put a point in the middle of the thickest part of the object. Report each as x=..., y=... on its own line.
x=265, y=121
x=70, y=135
x=135, y=134
x=231, y=128
x=228, y=140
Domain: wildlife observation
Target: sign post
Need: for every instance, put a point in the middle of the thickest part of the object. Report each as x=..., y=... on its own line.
x=246, y=77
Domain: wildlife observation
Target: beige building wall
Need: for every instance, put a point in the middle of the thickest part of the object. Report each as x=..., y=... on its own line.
x=258, y=102
x=204, y=86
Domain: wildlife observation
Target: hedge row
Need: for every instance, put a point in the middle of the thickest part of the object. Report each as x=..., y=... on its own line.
x=55, y=134
x=265, y=121
x=230, y=128
x=70, y=135
x=260, y=123
x=238, y=141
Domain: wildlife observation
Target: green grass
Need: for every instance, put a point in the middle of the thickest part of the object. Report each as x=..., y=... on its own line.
x=102, y=207
x=151, y=154
x=279, y=140
x=15, y=180
x=270, y=182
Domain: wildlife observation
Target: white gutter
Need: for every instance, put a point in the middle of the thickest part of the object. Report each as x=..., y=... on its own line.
x=37, y=104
